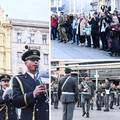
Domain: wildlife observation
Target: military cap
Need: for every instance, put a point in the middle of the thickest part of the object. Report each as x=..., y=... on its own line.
x=68, y=70
x=4, y=77
x=31, y=54
x=85, y=75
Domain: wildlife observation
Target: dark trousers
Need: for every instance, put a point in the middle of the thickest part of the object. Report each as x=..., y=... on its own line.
x=95, y=39
x=107, y=101
x=74, y=35
x=98, y=101
x=104, y=40
x=55, y=96
x=118, y=100
x=88, y=41
x=68, y=110
x=86, y=106
x=53, y=33
x=112, y=98
x=78, y=39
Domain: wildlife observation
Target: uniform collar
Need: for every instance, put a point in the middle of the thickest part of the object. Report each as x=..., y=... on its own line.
x=32, y=75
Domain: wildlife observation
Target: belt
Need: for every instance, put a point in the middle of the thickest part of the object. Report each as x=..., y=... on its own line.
x=68, y=93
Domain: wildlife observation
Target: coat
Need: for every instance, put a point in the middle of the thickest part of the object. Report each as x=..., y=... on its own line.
x=71, y=86
x=31, y=108
x=7, y=109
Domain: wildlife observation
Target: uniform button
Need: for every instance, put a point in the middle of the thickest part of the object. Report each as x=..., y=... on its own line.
x=37, y=109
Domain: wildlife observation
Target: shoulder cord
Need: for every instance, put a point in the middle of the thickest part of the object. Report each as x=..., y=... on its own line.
x=22, y=90
x=86, y=85
x=65, y=82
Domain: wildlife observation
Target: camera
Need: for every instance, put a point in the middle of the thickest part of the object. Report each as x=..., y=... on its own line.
x=105, y=8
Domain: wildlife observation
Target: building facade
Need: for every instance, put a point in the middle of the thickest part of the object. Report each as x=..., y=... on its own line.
x=27, y=34
x=5, y=49
x=96, y=4
x=57, y=71
x=71, y=6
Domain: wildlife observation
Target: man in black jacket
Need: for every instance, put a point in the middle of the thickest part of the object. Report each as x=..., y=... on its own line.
x=29, y=92
x=7, y=109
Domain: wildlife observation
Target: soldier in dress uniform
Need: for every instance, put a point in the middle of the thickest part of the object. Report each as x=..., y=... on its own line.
x=112, y=95
x=55, y=94
x=68, y=93
x=30, y=93
x=99, y=97
x=86, y=95
x=107, y=94
x=7, y=109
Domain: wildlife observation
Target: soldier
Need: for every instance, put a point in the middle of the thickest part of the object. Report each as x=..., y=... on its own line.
x=112, y=95
x=102, y=94
x=92, y=85
x=7, y=109
x=107, y=93
x=118, y=95
x=99, y=97
x=85, y=95
x=68, y=92
x=29, y=92
x=55, y=95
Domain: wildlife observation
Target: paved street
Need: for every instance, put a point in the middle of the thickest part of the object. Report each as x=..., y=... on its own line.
x=56, y=114
x=72, y=51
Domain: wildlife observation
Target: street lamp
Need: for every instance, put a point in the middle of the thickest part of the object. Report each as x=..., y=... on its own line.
x=96, y=77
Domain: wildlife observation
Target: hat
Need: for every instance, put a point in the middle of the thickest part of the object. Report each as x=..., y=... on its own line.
x=85, y=75
x=95, y=13
x=67, y=70
x=4, y=77
x=31, y=54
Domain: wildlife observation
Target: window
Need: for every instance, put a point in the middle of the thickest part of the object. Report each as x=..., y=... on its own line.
x=31, y=38
x=44, y=39
x=19, y=54
x=45, y=57
x=19, y=37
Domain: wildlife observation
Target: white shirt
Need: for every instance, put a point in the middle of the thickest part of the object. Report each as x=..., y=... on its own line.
x=32, y=75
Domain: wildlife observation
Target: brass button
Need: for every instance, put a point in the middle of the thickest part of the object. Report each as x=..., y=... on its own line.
x=37, y=109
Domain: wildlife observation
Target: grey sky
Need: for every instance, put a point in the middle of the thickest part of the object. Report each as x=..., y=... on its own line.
x=26, y=9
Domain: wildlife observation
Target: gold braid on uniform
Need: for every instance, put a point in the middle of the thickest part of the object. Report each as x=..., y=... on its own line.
x=6, y=110
x=22, y=90
x=2, y=107
x=25, y=99
x=6, y=113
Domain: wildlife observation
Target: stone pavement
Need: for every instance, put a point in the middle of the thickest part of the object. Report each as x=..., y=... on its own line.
x=56, y=114
x=72, y=51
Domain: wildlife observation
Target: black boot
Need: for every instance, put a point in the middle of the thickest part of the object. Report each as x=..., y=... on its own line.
x=84, y=114
x=87, y=115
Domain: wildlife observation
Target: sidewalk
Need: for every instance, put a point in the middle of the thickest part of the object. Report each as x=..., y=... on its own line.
x=72, y=51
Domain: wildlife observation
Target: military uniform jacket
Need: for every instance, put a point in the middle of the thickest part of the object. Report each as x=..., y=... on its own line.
x=71, y=86
x=7, y=109
x=32, y=108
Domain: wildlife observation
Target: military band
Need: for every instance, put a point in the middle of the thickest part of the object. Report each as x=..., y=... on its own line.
x=7, y=109
x=104, y=98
